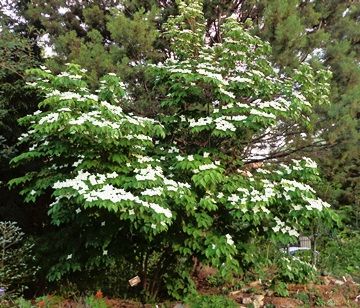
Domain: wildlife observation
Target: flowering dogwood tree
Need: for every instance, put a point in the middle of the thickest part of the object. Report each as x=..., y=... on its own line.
x=159, y=191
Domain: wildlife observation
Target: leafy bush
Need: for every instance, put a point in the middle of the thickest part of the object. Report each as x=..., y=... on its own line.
x=209, y=301
x=294, y=269
x=303, y=296
x=341, y=254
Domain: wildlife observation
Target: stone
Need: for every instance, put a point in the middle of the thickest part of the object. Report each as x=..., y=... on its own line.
x=247, y=300
x=258, y=301
x=339, y=282
x=181, y=306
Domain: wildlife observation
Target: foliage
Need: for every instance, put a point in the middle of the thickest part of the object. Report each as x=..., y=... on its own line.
x=184, y=184
x=280, y=288
x=91, y=301
x=95, y=301
x=324, y=34
x=211, y=301
x=274, y=267
x=340, y=255
x=18, y=52
x=15, y=259
x=294, y=269
x=101, y=37
x=303, y=296
x=320, y=302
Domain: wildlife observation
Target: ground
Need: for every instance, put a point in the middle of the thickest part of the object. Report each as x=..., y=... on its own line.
x=327, y=292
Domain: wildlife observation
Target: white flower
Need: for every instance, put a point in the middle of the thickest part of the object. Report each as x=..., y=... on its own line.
x=103, y=224
x=200, y=122
x=78, y=211
x=131, y=212
x=105, y=252
x=229, y=239
x=276, y=229
x=155, y=191
x=179, y=158
x=310, y=163
x=153, y=226
x=293, y=232
x=265, y=210
x=233, y=199
x=77, y=163
x=69, y=257
x=190, y=158
x=207, y=167
x=160, y=210
x=263, y=114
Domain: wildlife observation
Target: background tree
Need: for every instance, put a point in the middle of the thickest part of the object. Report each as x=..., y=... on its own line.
x=19, y=51
x=102, y=37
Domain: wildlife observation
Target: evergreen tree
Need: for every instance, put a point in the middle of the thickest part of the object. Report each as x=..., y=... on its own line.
x=18, y=51
x=342, y=55
x=102, y=37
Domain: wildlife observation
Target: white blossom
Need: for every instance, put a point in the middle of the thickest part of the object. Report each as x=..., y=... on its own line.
x=229, y=239
x=200, y=122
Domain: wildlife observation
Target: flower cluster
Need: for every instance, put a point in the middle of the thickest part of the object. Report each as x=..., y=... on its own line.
x=280, y=226
x=316, y=204
x=229, y=239
x=292, y=185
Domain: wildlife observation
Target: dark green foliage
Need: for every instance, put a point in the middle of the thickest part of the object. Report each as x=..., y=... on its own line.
x=209, y=301
x=18, y=52
x=340, y=254
x=102, y=37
